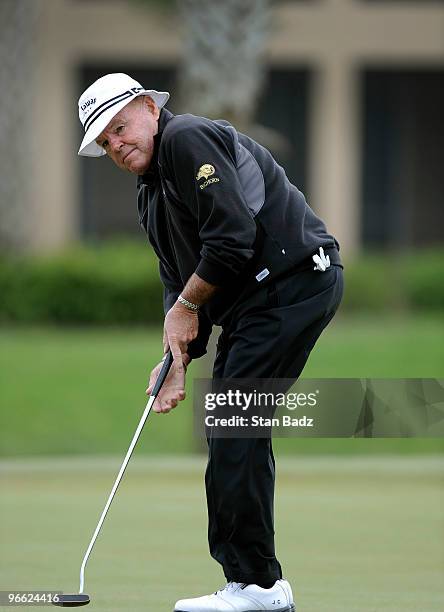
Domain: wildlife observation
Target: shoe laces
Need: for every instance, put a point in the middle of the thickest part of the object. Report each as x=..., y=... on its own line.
x=230, y=586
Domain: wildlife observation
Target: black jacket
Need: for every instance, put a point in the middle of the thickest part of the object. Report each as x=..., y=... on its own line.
x=216, y=203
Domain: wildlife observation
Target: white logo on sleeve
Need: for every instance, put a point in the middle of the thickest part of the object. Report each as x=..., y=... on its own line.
x=322, y=261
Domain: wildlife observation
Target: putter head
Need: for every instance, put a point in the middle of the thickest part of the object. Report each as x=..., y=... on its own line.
x=71, y=601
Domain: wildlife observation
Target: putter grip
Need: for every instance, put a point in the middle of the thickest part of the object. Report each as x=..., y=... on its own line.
x=163, y=373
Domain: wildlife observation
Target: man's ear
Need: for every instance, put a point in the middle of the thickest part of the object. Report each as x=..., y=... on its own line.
x=152, y=106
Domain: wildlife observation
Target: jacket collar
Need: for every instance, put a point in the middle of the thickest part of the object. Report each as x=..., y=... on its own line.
x=151, y=176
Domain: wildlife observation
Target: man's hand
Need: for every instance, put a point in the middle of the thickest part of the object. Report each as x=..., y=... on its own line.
x=179, y=329
x=173, y=389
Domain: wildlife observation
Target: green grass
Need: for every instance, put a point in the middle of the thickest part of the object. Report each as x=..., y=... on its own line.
x=82, y=390
x=396, y=346
x=362, y=535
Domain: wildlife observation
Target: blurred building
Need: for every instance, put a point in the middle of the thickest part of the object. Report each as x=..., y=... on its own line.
x=356, y=86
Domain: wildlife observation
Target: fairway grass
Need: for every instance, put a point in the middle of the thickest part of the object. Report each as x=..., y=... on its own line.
x=354, y=534
x=81, y=390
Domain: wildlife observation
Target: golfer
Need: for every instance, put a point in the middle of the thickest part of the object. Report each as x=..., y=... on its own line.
x=238, y=246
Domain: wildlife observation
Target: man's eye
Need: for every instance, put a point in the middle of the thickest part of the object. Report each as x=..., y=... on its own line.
x=119, y=129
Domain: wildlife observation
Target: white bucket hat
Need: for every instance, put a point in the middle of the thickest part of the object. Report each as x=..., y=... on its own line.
x=103, y=100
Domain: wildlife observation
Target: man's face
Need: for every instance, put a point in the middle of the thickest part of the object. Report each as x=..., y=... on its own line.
x=128, y=137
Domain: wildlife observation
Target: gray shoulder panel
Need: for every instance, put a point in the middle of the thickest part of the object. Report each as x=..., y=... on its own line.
x=252, y=180
x=250, y=175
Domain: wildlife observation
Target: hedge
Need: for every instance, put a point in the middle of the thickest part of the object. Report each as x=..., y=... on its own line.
x=413, y=281
x=113, y=283
x=118, y=283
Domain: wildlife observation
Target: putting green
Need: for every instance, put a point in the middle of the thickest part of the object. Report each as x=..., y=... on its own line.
x=355, y=534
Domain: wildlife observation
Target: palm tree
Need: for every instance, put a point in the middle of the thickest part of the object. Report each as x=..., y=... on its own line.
x=222, y=72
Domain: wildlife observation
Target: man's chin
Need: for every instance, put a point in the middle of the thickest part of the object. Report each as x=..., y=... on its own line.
x=137, y=166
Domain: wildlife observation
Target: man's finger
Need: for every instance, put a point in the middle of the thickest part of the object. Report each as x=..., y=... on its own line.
x=166, y=407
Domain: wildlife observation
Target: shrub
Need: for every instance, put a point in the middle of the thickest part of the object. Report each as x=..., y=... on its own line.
x=114, y=283
x=118, y=283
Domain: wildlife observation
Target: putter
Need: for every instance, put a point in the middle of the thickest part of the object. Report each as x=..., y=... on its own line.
x=81, y=598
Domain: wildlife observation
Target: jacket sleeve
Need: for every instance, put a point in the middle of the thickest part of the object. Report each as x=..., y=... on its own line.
x=200, y=161
x=171, y=289
x=171, y=286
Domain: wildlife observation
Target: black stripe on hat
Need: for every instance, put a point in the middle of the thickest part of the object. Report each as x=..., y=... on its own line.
x=109, y=104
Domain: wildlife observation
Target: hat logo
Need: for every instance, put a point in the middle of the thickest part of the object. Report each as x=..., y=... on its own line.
x=88, y=103
x=205, y=171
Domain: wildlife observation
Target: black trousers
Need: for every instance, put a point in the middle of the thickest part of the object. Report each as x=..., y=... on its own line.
x=269, y=336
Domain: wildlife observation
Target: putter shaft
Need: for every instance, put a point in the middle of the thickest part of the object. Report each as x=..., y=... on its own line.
x=160, y=380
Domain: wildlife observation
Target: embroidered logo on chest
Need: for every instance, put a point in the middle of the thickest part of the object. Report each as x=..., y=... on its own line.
x=205, y=171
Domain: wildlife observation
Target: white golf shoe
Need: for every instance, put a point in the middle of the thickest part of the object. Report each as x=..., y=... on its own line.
x=238, y=597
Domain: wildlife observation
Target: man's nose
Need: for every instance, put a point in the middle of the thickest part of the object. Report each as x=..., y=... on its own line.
x=115, y=143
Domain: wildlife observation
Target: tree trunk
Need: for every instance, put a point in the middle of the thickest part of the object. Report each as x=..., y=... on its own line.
x=222, y=71
x=17, y=27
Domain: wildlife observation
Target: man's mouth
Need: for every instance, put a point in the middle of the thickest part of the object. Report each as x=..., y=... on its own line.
x=128, y=154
